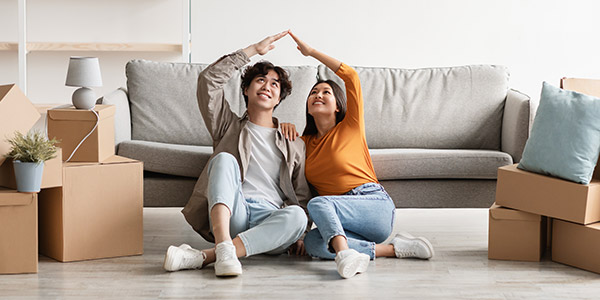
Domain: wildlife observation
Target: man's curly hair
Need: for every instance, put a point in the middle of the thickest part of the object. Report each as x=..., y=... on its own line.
x=262, y=68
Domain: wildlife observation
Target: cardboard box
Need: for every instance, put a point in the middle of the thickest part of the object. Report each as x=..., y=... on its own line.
x=516, y=235
x=16, y=114
x=585, y=86
x=97, y=213
x=548, y=196
x=18, y=232
x=576, y=245
x=52, y=176
x=71, y=125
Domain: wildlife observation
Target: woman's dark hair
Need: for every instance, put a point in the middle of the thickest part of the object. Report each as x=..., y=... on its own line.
x=262, y=68
x=340, y=102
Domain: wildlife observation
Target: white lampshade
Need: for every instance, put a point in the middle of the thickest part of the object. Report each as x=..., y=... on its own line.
x=84, y=72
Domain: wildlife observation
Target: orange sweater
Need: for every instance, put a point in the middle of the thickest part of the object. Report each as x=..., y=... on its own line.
x=340, y=161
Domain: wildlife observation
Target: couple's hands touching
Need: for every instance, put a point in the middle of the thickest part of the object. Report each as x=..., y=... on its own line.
x=266, y=45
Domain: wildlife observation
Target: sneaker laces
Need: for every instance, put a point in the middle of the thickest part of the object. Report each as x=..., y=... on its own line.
x=406, y=253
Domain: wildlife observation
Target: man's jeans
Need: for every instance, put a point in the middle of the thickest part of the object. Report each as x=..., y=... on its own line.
x=364, y=215
x=262, y=227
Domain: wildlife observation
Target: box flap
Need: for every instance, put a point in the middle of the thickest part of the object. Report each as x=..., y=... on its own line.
x=17, y=113
x=73, y=114
x=498, y=212
x=4, y=89
x=12, y=198
x=115, y=159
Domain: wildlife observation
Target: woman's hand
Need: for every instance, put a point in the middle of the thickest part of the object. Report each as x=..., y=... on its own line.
x=297, y=248
x=265, y=45
x=307, y=50
x=289, y=131
x=304, y=48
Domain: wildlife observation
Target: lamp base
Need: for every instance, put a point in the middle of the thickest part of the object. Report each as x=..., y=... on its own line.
x=84, y=98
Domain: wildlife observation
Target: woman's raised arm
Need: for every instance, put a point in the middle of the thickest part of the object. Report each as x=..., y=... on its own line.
x=307, y=50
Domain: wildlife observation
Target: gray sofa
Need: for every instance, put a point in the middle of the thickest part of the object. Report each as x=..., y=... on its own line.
x=436, y=135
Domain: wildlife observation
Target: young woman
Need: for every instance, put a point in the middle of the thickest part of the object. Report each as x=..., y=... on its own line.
x=353, y=212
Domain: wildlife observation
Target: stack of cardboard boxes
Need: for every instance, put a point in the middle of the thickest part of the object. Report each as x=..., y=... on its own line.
x=534, y=212
x=18, y=211
x=88, y=208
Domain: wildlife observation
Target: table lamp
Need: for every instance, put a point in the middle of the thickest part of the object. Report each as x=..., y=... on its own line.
x=84, y=72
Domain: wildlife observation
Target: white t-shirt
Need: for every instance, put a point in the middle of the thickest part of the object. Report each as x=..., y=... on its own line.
x=262, y=176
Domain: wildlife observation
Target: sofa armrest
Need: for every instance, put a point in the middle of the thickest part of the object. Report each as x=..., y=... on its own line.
x=120, y=100
x=515, y=124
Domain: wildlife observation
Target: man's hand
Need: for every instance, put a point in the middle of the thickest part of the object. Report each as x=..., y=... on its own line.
x=265, y=45
x=297, y=248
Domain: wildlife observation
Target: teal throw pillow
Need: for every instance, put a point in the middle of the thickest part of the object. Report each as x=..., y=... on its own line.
x=565, y=136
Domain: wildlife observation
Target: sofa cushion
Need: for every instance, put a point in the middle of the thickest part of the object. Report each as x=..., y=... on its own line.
x=164, y=107
x=436, y=108
x=565, y=136
x=392, y=164
x=172, y=159
x=163, y=103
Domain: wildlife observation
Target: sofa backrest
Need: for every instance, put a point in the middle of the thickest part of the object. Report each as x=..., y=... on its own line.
x=164, y=108
x=441, y=108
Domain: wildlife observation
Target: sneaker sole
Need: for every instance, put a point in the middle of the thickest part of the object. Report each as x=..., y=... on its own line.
x=229, y=273
x=358, y=266
x=169, y=263
x=424, y=240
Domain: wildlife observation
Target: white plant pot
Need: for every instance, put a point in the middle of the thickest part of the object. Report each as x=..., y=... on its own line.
x=28, y=176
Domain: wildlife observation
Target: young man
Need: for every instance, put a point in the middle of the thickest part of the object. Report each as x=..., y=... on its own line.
x=254, y=182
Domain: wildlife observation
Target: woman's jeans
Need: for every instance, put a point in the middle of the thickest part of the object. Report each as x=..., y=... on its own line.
x=364, y=215
x=262, y=227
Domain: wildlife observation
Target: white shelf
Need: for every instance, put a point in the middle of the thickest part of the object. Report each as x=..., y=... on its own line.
x=126, y=47
x=23, y=47
x=7, y=46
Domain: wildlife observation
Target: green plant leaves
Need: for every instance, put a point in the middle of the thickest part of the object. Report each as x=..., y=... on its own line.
x=33, y=147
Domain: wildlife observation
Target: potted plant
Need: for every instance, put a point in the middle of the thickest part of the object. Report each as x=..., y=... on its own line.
x=29, y=152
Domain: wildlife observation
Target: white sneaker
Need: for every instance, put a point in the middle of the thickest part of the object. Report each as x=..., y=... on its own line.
x=406, y=245
x=227, y=263
x=349, y=262
x=183, y=257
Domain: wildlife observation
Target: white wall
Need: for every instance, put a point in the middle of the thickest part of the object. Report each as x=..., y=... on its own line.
x=107, y=21
x=537, y=39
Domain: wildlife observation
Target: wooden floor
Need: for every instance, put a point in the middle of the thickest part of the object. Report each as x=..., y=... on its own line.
x=460, y=270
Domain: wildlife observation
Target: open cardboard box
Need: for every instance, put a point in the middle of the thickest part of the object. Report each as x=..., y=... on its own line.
x=18, y=232
x=516, y=235
x=97, y=213
x=52, y=176
x=16, y=114
x=71, y=125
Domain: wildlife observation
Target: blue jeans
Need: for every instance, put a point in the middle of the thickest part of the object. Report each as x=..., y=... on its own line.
x=364, y=215
x=262, y=227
